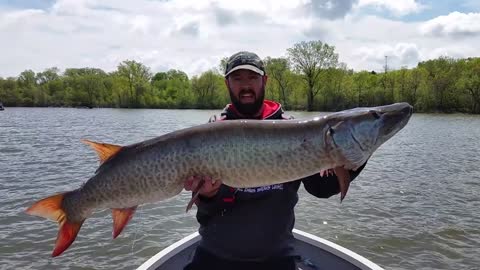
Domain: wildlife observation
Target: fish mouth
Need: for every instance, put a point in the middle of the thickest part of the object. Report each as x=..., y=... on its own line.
x=402, y=110
x=390, y=118
x=394, y=118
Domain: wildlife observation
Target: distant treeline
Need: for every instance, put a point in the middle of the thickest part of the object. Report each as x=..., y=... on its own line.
x=309, y=78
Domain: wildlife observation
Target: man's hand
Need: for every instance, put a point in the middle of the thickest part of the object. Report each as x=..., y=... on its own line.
x=208, y=189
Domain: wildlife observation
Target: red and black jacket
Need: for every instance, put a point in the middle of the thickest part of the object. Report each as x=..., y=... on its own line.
x=256, y=223
x=271, y=110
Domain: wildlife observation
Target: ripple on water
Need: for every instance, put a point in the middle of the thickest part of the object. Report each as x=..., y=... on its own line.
x=415, y=205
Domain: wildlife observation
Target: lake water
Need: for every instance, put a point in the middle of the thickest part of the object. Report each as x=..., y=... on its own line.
x=416, y=205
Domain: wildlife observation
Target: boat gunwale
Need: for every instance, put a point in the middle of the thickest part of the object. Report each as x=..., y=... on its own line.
x=337, y=250
x=354, y=258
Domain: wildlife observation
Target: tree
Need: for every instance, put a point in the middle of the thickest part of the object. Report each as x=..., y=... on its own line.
x=137, y=76
x=441, y=77
x=311, y=59
x=27, y=85
x=48, y=75
x=86, y=86
x=333, y=88
x=223, y=65
x=8, y=92
x=50, y=88
x=413, y=85
x=402, y=83
x=470, y=83
x=26, y=79
x=172, y=89
x=208, y=88
x=277, y=70
x=360, y=84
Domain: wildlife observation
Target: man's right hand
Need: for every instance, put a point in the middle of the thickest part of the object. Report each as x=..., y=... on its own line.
x=209, y=188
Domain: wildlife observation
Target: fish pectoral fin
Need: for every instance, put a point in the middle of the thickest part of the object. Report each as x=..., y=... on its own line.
x=51, y=208
x=196, y=192
x=104, y=150
x=121, y=216
x=343, y=177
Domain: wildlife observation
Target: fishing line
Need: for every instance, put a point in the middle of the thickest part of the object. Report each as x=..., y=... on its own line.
x=136, y=230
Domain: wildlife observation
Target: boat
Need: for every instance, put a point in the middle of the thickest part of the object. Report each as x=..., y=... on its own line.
x=316, y=253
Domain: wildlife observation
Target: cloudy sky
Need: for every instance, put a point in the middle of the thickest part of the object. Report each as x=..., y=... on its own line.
x=193, y=35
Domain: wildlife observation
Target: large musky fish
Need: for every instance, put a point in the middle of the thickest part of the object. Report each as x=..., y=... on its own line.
x=240, y=153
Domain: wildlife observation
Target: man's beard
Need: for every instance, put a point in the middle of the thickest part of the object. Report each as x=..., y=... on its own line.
x=249, y=109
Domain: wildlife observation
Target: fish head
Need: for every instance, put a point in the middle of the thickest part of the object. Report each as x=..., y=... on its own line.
x=353, y=135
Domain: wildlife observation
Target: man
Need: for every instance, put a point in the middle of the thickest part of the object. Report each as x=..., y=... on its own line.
x=250, y=228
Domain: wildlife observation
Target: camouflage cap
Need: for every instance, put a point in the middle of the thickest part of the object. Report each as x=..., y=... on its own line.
x=244, y=60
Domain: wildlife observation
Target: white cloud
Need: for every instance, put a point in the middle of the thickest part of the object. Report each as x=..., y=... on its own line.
x=455, y=24
x=398, y=55
x=457, y=51
x=184, y=34
x=397, y=7
x=194, y=36
x=330, y=9
x=15, y=19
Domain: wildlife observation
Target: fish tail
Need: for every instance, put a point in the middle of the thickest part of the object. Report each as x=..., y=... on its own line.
x=51, y=208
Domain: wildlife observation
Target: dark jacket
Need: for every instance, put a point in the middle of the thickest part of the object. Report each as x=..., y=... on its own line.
x=256, y=223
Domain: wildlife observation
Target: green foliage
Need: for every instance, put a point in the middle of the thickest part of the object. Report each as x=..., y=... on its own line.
x=136, y=77
x=311, y=59
x=209, y=90
x=309, y=78
x=280, y=85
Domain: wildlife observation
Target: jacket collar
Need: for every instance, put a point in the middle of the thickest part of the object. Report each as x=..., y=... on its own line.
x=270, y=110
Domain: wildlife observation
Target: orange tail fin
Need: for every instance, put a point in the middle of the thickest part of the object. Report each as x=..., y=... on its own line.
x=51, y=208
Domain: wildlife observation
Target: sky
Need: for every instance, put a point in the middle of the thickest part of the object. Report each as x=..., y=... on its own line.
x=194, y=35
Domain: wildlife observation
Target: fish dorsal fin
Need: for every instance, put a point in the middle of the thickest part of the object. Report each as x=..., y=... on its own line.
x=104, y=150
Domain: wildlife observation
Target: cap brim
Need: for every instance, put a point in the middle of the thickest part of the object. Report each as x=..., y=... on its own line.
x=249, y=67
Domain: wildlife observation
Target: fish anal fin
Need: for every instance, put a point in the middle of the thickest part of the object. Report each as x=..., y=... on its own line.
x=66, y=235
x=121, y=216
x=104, y=150
x=343, y=177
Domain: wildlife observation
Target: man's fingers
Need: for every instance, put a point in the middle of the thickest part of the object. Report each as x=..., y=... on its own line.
x=188, y=183
x=191, y=183
x=216, y=184
x=209, y=185
x=195, y=183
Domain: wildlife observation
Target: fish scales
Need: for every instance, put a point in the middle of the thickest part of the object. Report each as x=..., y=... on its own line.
x=241, y=154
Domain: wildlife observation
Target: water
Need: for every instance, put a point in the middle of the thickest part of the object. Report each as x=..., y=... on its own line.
x=415, y=205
